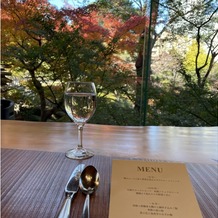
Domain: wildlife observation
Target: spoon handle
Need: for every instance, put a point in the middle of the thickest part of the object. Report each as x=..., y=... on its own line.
x=65, y=210
x=85, y=213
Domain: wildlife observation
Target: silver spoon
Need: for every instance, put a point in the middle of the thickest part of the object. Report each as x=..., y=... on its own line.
x=88, y=183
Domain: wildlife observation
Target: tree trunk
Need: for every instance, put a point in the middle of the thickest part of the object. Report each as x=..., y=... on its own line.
x=139, y=67
x=41, y=94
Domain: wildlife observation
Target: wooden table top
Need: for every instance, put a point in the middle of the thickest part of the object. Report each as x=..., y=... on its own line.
x=35, y=170
x=182, y=144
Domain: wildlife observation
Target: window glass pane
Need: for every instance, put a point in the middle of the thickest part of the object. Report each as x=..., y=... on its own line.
x=154, y=62
x=184, y=70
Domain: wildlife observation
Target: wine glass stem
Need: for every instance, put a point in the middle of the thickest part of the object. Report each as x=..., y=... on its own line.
x=80, y=136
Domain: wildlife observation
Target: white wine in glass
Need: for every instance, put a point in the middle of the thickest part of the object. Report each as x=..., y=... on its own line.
x=80, y=105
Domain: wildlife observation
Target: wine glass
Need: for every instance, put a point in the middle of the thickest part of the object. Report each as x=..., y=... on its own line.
x=80, y=105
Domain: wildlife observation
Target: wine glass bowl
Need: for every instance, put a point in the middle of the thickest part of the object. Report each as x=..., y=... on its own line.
x=80, y=105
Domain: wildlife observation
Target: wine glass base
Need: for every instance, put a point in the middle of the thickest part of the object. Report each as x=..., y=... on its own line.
x=79, y=154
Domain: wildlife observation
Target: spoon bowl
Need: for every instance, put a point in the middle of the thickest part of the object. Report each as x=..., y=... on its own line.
x=88, y=183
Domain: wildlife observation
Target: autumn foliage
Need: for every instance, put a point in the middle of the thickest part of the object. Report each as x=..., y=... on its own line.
x=27, y=20
x=46, y=46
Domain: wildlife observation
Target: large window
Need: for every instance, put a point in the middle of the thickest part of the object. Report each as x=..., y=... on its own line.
x=153, y=62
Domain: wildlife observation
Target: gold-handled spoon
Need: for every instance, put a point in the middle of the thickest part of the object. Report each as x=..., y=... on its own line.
x=88, y=183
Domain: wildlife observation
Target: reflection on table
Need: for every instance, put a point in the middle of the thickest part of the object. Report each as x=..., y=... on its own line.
x=184, y=144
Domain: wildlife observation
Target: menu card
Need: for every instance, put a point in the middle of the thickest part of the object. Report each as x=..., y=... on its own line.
x=151, y=189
